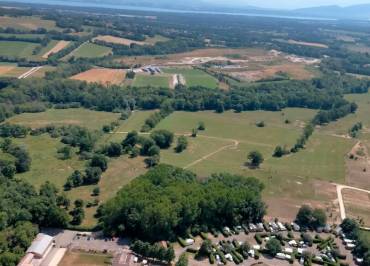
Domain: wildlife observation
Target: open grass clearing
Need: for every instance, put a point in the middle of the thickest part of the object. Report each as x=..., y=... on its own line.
x=75, y=116
x=89, y=50
x=27, y=23
x=146, y=80
x=242, y=126
x=77, y=258
x=194, y=77
x=102, y=75
x=45, y=164
x=17, y=49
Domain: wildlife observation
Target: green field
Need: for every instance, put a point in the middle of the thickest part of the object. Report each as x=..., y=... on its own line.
x=342, y=126
x=78, y=116
x=90, y=50
x=27, y=23
x=323, y=159
x=45, y=165
x=143, y=80
x=194, y=77
x=28, y=36
x=222, y=147
x=17, y=49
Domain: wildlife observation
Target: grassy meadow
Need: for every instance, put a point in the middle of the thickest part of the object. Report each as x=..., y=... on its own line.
x=77, y=116
x=90, y=50
x=222, y=147
x=17, y=49
x=144, y=80
x=194, y=77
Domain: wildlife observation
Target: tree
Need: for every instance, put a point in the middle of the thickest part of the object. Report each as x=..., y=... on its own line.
x=205, y=249
x=194, y=132
x=182, y=144
x=304, y=216
x=152, y=161
x=163, y=138
x=183, y=260
x=130, y=74
x=280, y=151
x=255, y=158
x=260, y=124
x=92, y=175
x=65, y=153
x=154, y=150
x=350, y=228
x=75, y=179
x=309, y=218
x=131, y=139
x=201, y=126
x=96, y=191
x=99, y=161
x=273, y=246
x=114, y=149
x=318, y=218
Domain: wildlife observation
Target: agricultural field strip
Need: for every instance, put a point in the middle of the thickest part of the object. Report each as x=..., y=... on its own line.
x=340, y=198
x=29, y=72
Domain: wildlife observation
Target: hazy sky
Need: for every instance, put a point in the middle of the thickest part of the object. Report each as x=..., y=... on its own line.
x=295, y=3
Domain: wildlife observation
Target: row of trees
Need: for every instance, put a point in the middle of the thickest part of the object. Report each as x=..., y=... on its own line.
x=168, y=201
x=153, y=251
x=272, y=96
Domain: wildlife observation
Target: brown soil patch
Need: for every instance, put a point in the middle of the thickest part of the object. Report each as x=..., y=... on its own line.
x=295, y=71
x=117, y=40
x=102, y=75
x=59, y=46
x=357, y=205
x=210, y=52
x=313, y=44
x=5, y=69
x=286, y=209
x=358, y=168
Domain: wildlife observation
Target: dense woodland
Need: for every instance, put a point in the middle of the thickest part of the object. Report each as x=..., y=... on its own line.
x=168, y=201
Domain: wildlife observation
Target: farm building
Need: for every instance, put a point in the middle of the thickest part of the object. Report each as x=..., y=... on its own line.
x=38, y=250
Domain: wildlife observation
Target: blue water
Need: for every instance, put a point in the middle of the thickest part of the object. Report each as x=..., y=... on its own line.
x=150, y=9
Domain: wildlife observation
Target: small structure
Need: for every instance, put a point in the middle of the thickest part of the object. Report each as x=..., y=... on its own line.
x=38, y=250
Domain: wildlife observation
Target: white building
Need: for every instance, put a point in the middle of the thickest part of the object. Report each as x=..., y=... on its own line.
x=38, y=250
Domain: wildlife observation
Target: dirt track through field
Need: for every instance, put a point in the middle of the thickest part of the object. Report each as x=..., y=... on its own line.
x=340, y=197
x=29, y=72
x=234, y=145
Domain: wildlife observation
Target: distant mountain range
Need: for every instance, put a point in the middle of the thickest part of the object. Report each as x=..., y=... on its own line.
x=361, y=12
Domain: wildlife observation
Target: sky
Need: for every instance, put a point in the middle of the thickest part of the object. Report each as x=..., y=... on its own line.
x=291, y=4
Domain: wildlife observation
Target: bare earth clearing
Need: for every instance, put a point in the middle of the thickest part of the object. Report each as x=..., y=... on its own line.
x=58, y=47
x=5, y=69
x=357, y=204
x=102, y=75
x=313, y=44
x=117, y=40
x=357, y=169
